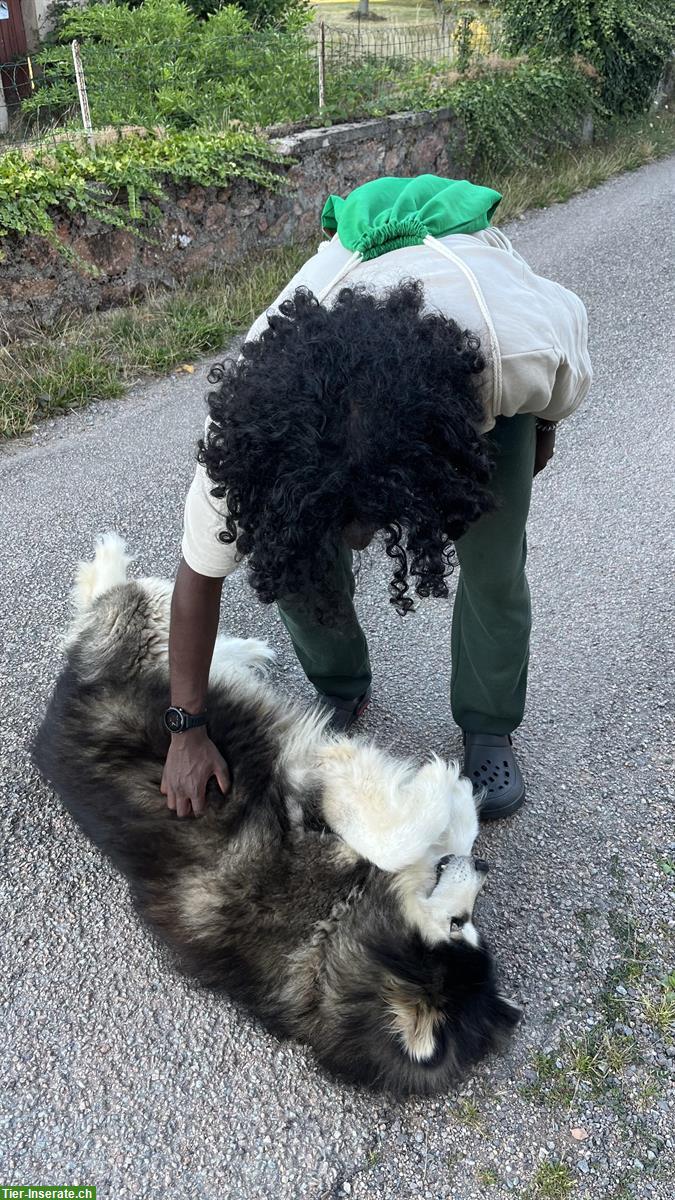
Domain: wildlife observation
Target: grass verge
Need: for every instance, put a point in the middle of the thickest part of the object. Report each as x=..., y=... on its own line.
x=625, y=147
x=53, y=371
x=50, y=372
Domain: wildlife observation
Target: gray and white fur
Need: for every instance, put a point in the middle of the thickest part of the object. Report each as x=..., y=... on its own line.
x=331, y=893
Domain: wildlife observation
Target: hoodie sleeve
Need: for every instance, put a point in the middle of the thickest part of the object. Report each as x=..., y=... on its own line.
x=574, y=375
x=553, y=376
x=203, y=520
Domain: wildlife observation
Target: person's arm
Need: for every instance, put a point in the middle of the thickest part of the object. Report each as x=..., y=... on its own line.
x=193, y=758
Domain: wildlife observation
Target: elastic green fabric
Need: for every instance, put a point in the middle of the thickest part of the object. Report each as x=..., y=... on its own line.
x=388, y=213
x=391, y=235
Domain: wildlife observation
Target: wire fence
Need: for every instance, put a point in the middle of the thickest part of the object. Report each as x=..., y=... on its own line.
x=266, y=79
x=429, y=42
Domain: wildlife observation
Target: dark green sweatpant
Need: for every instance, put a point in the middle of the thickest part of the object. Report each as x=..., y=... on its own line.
x=491, y=616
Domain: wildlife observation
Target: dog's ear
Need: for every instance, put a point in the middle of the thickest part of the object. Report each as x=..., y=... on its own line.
x=412, y=992
x=442, y=1003
x=417, y=1024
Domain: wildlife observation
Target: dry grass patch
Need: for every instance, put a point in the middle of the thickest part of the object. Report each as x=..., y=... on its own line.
x=51, y=372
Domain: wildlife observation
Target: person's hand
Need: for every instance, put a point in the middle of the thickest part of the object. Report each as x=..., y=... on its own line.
x=192, y=760
x=544, y=450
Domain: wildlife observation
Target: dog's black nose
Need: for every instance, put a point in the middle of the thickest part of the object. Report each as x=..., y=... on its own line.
x=481, y=866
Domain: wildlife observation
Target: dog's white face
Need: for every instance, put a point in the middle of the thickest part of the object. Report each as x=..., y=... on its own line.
x=438, y=896
x=448, y=909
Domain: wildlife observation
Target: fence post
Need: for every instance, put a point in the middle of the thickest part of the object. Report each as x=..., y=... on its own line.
x=322, y=64
x=82, y=93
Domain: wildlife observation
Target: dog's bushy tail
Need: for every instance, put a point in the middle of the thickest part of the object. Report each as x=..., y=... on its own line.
x=95, y=576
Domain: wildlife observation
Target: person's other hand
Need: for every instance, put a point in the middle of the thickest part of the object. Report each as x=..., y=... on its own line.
x=192, y=760
x=544, y=450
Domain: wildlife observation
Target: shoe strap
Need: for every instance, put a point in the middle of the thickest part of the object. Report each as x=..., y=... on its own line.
x=487, y=739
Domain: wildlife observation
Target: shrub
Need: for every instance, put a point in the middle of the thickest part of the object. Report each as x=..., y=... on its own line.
x=628, y=43
x=131, y=169
x=279, y=14
x=511, y=111
x=157, y=64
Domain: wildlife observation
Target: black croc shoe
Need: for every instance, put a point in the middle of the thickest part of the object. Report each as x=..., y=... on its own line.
x=490, y=764
x=345, y=712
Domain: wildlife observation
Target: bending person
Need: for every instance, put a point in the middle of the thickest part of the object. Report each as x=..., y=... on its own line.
x=408, y=382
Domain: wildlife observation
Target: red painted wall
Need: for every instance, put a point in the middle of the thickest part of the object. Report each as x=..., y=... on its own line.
x=12, y=33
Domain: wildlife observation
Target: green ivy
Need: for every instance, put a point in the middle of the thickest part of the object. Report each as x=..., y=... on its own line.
x=510, y=115
x=204, y=81
x=118, y=183
x=628, y=43
x=508, y=119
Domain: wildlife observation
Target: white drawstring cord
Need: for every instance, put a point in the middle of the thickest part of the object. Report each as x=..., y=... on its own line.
x=353, y=261
x=485, y=313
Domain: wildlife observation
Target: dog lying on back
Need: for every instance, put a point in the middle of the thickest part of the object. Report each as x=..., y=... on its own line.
x=331, y=892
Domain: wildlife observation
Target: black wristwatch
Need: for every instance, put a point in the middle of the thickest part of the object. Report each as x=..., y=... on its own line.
x=177, y=720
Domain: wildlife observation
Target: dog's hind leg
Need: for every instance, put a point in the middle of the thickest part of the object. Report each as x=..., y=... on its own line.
x=96, y=576
x=232, y=656
x=116, y=619
x=440, y=779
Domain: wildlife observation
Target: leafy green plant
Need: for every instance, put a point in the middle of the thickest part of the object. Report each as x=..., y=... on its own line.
x=157, y=64
x=628, y=44
x=277, y=14
x=45, y=371
x=464, y=40
x=186, y=88
x=131, y=169
x=280, y=14
x=510, y=113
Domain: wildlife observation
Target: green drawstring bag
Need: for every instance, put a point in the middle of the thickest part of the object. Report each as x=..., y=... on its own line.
x=389, y=213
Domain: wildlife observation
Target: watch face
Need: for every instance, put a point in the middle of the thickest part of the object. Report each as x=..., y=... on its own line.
x=173, y=719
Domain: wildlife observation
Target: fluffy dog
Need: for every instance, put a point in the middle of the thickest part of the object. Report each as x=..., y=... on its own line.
x=331, y=892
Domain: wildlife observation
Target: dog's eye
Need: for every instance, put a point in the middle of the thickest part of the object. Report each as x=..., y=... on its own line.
x=458, y=922
x=441, y=865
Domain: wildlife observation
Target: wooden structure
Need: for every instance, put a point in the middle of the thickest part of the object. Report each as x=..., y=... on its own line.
x=12, y=32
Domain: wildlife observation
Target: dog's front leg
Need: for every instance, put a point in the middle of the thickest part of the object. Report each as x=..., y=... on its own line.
x=387, y=809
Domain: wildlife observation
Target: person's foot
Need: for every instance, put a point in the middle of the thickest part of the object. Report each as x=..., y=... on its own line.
x=345, y=712
x=490, y=764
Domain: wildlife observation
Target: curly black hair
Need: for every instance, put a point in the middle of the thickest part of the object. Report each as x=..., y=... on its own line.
x=366, y=411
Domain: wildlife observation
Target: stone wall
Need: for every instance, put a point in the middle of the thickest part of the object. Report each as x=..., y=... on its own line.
x=206, y=227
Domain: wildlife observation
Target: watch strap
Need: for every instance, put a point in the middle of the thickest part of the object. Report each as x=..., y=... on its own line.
x=193, y=720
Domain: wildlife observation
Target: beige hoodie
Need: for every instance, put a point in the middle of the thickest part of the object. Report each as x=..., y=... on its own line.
x=534, y=334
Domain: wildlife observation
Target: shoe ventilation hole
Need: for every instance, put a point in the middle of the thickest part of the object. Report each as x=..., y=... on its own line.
x=489, y=772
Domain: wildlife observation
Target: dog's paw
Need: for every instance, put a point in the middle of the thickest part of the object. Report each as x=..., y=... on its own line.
x=107, y=569
x=231, y=656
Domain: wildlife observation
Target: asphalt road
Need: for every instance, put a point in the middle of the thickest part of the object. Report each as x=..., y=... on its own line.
x=118, y=1073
